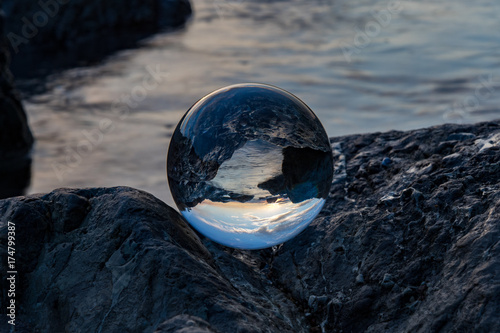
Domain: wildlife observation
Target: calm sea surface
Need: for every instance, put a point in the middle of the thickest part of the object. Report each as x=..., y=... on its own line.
x=362, y=66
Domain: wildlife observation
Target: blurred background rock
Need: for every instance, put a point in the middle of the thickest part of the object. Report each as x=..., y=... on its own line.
x=16, y=139
x=50, y=35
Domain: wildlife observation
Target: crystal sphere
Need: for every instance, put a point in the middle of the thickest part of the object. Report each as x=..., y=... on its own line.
x=249, y=166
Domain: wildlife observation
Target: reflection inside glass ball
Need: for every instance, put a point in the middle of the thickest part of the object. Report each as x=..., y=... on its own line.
x=249, y=166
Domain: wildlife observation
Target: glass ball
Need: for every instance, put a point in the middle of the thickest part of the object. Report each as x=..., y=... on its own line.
x=249, y=166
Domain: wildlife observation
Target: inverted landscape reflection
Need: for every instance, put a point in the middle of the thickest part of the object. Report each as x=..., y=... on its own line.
x=249, y=166
x=252, y=225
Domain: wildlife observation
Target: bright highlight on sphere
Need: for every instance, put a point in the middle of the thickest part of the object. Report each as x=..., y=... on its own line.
x=249, y=166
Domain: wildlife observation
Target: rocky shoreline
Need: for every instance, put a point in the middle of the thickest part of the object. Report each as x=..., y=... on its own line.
x=48, y=36
x=408, y=241
x=62, y=24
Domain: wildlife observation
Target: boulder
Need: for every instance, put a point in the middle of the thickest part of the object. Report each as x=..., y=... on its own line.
x=120, y=260
x=408, y=241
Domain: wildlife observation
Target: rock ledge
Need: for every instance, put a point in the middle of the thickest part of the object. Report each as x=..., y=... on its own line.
x=408, y=241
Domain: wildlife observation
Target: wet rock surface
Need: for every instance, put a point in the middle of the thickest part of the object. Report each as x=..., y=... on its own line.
x=408, y=241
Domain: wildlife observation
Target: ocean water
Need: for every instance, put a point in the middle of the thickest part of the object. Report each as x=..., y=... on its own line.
x=362, y=66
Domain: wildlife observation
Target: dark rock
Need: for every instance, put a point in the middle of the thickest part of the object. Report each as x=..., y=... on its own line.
x=410, y=249
x=49, y=36
x=184, y=324
x=424, y=260
x=120, y=260
x=64, y=23
x=460, y=136
x=16, y=139
x=386, y=161
x=307, y=173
